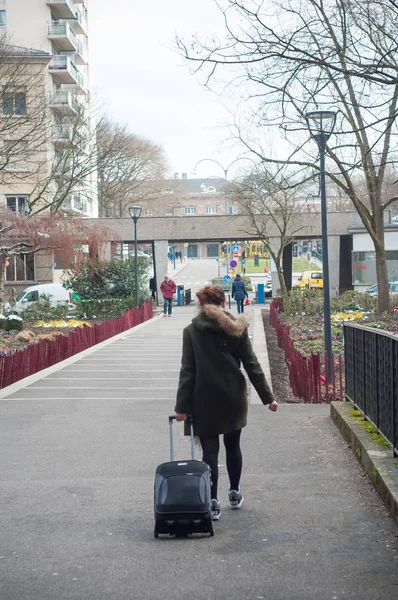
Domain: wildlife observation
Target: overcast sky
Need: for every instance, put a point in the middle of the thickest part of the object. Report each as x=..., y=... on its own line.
x=142, y=82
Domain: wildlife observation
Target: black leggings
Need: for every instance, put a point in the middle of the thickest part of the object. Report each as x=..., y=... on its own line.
x=211, y=447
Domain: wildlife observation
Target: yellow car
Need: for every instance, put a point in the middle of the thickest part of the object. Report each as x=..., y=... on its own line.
x=310, y=280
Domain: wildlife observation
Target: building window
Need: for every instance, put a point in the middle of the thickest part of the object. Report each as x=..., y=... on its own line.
x=14, y=103
x=18, y=204
x=211, y=189
x=21, y=267
x=233, y=209
x=211, y=210
x=2, y=18
x=190, y=210
x=212, y=250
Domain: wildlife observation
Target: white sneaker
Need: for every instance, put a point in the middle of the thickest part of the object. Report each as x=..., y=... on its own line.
x=235, y=498
x=215, y=509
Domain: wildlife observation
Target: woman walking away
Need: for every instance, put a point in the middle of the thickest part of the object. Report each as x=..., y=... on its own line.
x=212, y=387
x=239, y=292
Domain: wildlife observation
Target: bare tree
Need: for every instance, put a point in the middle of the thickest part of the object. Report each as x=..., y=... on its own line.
x=288, y=58
x=269, y=201
x=131, y=167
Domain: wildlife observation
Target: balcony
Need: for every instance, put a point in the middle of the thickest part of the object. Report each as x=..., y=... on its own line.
x=62, y=135
x=80, y=20
x=62, y=36
x=62, y=9
x=64, y=102
x=75, y=203
x=81, y=85
x=63, y=69
x=81, y=56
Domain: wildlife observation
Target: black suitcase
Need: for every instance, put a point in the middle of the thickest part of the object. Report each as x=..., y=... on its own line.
x=182, y=495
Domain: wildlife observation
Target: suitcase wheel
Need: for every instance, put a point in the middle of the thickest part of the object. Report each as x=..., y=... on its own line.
x=211, y=530
x=155, y=533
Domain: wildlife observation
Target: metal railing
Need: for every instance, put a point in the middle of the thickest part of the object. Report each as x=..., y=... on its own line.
x=63, y=63
x=81, y=17
x=62, y=133
x=371, y=377
x=62, y=29
x=64, y=99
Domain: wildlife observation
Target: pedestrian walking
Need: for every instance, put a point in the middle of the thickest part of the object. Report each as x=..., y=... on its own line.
x=212, y=387
x=168, y=289
x=239, y=292
x=152, y=287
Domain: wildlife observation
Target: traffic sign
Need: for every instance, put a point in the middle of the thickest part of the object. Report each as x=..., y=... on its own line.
x=236, y=254
x=227, y=278
x=236, y=248
x=233, y=264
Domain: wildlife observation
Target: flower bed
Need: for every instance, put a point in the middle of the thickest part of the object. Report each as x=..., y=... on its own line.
x=47, y=352
x=301, y=335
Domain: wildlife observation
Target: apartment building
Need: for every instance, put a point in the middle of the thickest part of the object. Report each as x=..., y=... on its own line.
x=184, y=197
x=58, y=29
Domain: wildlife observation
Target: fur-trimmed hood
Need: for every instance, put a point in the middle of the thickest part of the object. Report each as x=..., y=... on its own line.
x=212, y=317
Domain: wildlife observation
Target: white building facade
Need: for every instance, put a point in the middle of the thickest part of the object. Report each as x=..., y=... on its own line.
x=58, y=28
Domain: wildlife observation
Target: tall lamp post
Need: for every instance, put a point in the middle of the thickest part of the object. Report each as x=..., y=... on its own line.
x=227, y=206
x=135, y=213
x=321, y=124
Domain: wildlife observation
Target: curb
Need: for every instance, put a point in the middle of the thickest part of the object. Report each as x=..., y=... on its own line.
x=378, y=462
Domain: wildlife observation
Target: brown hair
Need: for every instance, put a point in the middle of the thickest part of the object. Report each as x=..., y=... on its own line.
x=211, y=294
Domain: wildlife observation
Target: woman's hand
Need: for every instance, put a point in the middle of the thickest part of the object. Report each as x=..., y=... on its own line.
x=182, y=417
x=273, y=406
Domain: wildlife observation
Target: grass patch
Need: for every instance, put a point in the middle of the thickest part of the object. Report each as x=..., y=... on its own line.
x=301, y=264
x=356, y=415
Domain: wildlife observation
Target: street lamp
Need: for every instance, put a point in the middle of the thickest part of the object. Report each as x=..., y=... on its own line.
x=227, y=206
x=321, y=124
x=135, y=213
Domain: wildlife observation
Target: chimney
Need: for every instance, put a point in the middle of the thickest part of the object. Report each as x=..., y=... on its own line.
x=184, y=176
x=176, y=175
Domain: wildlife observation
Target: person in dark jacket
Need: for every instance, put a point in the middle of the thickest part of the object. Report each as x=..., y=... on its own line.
x=152, y=287
x=239, y=292
x=212, y=387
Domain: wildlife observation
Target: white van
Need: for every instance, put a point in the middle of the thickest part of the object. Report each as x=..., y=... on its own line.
x=55, y=291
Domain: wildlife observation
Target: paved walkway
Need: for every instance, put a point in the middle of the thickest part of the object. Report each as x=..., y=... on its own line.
x=78, y=451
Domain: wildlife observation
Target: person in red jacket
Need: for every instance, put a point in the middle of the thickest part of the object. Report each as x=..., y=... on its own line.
x=168, y=289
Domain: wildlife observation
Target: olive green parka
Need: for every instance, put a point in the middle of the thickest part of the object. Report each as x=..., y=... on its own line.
x=212, y=386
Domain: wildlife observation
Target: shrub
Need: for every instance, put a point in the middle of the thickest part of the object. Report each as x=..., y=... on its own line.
x=109, y=308
x=43, y=310
x=14, y=323
x=113, y=279
x=3, y=322
x=25, y=336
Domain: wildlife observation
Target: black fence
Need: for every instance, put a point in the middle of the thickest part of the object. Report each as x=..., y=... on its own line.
x=371, y=377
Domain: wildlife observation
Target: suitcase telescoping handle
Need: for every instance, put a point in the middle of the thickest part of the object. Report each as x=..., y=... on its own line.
x=190, y=421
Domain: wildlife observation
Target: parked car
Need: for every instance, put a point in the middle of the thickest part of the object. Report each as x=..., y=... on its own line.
x=141, y=254
x=55, y=291
x=310, y=279
x=373, y=290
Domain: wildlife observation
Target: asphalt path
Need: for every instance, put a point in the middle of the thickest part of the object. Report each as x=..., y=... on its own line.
x=78, y=452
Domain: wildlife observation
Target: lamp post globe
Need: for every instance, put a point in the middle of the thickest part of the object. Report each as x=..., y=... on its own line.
x=321, y=125
x=135, y=213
